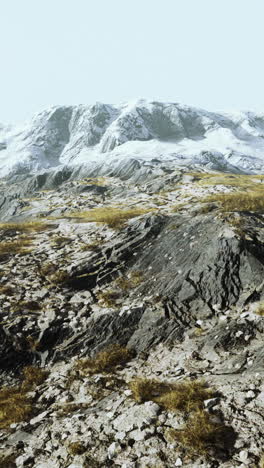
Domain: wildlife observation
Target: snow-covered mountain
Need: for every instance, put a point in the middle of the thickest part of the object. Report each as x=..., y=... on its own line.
x=143, y=130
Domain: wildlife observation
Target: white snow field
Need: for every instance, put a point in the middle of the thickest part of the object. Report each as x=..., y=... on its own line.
x=144, y=130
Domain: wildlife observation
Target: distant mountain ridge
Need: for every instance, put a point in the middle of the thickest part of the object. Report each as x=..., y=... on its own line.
x=143, y=130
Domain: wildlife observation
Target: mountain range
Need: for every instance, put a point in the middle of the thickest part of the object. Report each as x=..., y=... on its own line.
x=103, y=134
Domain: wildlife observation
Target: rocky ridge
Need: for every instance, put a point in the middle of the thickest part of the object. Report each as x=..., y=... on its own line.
x=149, y=263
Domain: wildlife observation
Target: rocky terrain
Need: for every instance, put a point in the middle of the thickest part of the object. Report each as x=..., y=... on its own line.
x=132, y=313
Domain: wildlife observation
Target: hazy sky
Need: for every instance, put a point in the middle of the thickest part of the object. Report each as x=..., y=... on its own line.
x=206, y=53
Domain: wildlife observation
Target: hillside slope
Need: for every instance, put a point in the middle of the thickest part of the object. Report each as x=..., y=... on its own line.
x=131, y=321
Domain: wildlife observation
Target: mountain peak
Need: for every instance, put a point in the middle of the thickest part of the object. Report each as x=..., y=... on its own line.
x=139, y=128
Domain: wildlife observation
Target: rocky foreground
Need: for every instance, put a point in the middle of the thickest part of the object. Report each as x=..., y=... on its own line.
x=132, y=321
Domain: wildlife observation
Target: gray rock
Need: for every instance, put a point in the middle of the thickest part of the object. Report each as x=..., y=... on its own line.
x=138, y=416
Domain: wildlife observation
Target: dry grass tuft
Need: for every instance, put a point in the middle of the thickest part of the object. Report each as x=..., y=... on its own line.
x=113, y=217
x=7, y=290
x=127, y=283
x=59, y=277
x=27, y=305
x=201, y=435
x=33, y=376
x=122, y=284
x=178, y=207
x=261, y=462
x=248, y=197
x=207, y=208
x=48, y=268
x=20, y=246
x=76, y=448
x=8, y=461
x=240, y=201
x=94, y=246
x=33, y=344
x=30, y=226
x=100, y=181
x=68, y=408
x=109, y=298
x=185, y=396
x=260, y=309
x=15, y=404
x=238, y=223
x=60, y=241
x=51, y=272
x=105, y=361
x=148, y=389
x=247, y=182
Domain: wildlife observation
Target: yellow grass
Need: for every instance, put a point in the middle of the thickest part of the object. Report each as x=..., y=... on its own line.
x=76, y=448
x=93, y=246
x=106, y=360
x=29, y=226
x=240, y=201
x=20, y=246
x=27, y=305
x=32, y=377
x=126, y=283
x=260, y=309
x=178, y=207
x=184, y=396
x=48, y=268
x=229, y=180
x=113, y=217
x=109, y=298
x=59, y=241
x=201, y=434
x=249, y=195
x=59, y=277
x=8, y=461
x=100, y=181
x=15, y=404
x=7, y=290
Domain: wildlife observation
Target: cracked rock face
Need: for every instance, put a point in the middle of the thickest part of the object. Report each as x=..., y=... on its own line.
x=180, y=287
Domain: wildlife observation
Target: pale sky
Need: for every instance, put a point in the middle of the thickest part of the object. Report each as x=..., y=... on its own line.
x=205, y=53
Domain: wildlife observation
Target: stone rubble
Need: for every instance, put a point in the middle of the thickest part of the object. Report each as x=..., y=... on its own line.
x=192, y=315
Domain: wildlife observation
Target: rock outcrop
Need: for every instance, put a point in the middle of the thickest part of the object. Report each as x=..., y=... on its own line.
x=148, y=264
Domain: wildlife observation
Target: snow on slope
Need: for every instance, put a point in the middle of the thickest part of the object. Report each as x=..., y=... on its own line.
x=142, y=129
